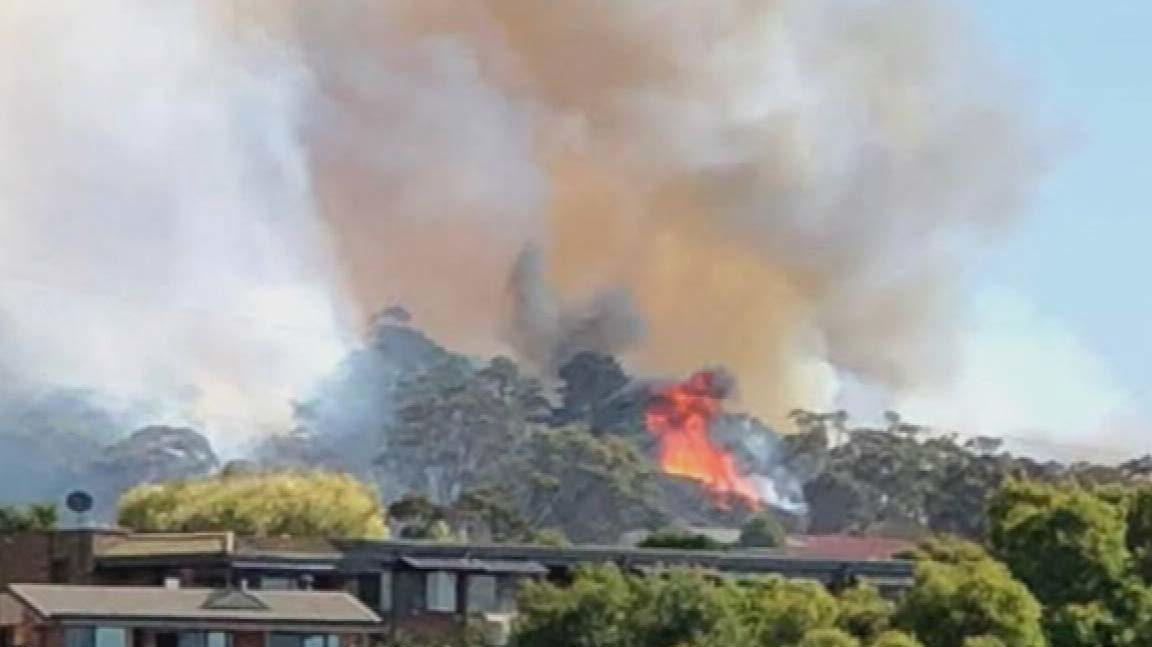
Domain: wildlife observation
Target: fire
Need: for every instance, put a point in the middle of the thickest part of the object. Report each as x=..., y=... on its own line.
x=680, y=417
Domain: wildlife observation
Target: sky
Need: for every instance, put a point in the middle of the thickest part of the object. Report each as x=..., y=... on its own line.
x=1063, y=301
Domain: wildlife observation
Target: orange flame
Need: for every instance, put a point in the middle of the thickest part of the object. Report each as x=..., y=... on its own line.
x=680, y=417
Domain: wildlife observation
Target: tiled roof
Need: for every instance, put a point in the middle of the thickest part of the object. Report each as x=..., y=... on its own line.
x=54, y=602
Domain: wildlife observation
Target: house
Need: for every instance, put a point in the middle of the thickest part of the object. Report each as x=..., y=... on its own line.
x=414, y=587
x=55, y=615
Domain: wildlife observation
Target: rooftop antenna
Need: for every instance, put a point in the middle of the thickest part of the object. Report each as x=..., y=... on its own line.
x=80, y=503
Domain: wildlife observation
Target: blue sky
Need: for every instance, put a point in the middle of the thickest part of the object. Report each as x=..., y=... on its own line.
x=1076, y=269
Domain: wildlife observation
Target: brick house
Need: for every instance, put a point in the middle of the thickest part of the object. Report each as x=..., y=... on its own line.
x=414, y=587
x=52, y=615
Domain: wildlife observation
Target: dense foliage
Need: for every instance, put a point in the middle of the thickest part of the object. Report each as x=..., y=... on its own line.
x=35, y=516
x=1065, y=566
x=507, y=453
x=304, y=504
x=952, y=605
x=680, y=540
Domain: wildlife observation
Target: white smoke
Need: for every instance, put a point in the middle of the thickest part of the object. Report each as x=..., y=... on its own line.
x=189, y=188
x=157, y=234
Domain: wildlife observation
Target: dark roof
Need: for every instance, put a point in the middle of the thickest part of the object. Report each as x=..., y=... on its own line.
x=66, y=602
x=797, y=561
x=475, y=565
x=847, y=546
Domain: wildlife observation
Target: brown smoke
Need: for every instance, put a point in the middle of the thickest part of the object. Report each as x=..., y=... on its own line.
x=778, y=185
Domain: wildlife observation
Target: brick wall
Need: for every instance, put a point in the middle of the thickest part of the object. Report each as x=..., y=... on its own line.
x=25, y=557
x=64, y=557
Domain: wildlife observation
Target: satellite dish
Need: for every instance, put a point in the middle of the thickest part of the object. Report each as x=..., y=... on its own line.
x=79, y=502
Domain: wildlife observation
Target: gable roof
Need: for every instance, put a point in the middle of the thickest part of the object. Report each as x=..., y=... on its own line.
x=65, y=602
x=233, y=599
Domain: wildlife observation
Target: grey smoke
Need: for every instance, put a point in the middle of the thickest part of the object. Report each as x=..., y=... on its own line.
x=548, y=333
x=200, y=200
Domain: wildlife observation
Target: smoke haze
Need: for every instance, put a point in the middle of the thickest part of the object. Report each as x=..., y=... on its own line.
x=199, y=200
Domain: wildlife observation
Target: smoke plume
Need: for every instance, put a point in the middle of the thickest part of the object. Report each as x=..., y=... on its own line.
x=197, y=197
x=781, y=187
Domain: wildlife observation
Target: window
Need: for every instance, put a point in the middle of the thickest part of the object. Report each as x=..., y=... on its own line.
x=275, y=583
x=442, y=591
x=385, y=591
x=79, y=637
x=202, y=639
x=96, y=637
x=191, y=639
x=482, y=594
x=111, y=637
x=303, y=640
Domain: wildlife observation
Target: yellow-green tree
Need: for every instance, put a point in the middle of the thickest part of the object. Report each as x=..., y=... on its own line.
x=961, y=593
x=299, y=504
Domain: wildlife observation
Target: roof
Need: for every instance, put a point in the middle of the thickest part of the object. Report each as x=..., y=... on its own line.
x=151, y=544
x=810, y=557
x=854, y=547
x=476, y=565
x=66, y=602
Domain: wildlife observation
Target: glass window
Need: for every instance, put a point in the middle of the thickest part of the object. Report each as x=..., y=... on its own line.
x=442, y=591
x=284, y=640
x=111, y=637
x=191, y=639
x=304, y=640
x=277, y=583
x=386, y=591
x=218, y=639
x=482, y=594
x=79, y=637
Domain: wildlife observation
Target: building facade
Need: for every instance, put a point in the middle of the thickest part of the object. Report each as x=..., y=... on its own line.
x=56, y=615
x=414, y=587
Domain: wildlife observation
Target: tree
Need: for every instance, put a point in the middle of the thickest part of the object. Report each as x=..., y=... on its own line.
x=489, y=514
x=864, y=613
x=895, y=639
x=680, y=540
x=458, y=428
x=594, y=392
x=984, y=641
x=415, y=517
x=782, y=612
x=685, y=607
x=347, y=423
x=590, y=488
x=1067, y=545
x=36, y=516
x=762, y=530
x=829, y=638
x=592, y=612
x=603, y=606
x=966, y=597
x=304, y=504
x=1082, y=625
x=1137, y=502
x=155, y=454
